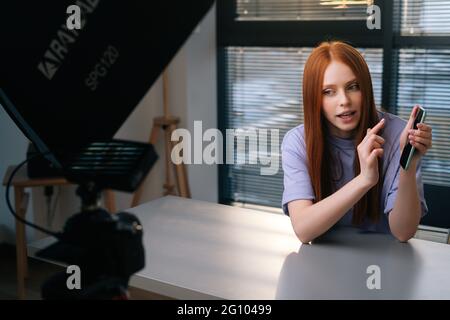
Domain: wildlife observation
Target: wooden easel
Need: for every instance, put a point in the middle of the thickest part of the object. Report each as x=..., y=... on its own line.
x=168, y=123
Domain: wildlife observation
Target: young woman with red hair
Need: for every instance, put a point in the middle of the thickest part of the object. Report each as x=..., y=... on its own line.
x=342, y=166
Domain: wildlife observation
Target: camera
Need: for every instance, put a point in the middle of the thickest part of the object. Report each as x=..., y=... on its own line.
x=109, y=251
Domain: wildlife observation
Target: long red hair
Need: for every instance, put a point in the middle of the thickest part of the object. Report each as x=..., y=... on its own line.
x=319, y=157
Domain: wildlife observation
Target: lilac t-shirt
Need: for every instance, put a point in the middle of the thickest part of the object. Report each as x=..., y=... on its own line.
x=297, y=183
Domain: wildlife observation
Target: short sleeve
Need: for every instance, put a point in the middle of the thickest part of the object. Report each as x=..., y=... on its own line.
x=394, y=171
x=297, y=183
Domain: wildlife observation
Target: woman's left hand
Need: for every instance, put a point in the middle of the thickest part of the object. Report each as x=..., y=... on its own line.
x=419, y=138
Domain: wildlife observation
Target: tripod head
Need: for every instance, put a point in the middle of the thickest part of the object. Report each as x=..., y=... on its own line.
x=106, y=247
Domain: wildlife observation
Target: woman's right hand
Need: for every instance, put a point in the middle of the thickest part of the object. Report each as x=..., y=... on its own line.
x=369, y=150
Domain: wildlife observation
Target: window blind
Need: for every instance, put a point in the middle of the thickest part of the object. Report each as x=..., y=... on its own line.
x=272, y=10
x=424, y=78
x=264, y=92
x=425, y=17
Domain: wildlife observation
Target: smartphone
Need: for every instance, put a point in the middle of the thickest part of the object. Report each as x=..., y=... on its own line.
x=408, y=150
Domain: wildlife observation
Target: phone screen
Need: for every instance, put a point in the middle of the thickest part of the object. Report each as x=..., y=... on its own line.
x=408, y=150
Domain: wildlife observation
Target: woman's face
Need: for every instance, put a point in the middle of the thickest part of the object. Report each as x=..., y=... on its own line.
x=341, y=99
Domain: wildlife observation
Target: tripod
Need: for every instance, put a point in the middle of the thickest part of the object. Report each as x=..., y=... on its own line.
x=168, y=124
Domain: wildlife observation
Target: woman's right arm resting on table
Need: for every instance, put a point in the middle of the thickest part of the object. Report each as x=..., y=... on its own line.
x=312, y=220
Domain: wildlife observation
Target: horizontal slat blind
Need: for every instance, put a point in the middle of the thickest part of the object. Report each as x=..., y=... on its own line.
x=286, y=10
x=264, y=92
x=424, y=78
x=425, y=17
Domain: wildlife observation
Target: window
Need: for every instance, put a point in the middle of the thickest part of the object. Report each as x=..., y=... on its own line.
x=425, y=17
x=424, y=78
x=422, y=53
x=285, y=10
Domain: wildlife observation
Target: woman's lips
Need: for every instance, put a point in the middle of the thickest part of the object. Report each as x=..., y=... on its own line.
x=348, y=116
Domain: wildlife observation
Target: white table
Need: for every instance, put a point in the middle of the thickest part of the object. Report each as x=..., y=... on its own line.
x=201, y=250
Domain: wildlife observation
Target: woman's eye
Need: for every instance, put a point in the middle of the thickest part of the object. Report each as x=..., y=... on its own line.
x=354, y=86
x=327, y=92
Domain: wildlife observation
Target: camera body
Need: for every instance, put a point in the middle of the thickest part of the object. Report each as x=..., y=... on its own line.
x=106, y=247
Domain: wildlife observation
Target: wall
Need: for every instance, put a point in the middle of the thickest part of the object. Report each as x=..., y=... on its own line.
x=13, y=146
